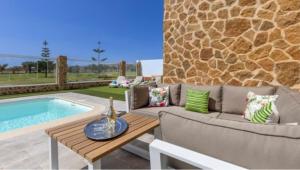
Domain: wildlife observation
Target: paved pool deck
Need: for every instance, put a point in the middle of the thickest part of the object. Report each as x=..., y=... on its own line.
x=30, y=150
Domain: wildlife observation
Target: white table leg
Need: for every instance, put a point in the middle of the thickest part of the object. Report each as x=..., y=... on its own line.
x=53, y=153
x=95, y=165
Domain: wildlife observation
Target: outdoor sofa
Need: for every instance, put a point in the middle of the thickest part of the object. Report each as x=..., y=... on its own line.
x=223, y=133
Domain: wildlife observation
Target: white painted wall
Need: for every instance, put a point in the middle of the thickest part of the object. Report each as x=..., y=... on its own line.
x=152, y=67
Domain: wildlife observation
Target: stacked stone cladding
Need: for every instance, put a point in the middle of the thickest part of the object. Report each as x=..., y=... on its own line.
x=235, y=42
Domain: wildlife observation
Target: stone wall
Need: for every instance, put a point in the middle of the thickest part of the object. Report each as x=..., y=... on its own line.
x=237, y=42
x=50, y=87
x=28, y=89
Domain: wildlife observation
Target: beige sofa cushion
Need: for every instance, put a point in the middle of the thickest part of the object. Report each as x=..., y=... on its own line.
x=153, y=111
x=232, y=117
x=288, y=105
x=245, y=144
x=214, y=103
x=234, y=97
x=174, y=96
x=139, y=97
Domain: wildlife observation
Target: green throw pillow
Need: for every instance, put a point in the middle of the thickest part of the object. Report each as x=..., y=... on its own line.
x=261, y=116
x=197, y=101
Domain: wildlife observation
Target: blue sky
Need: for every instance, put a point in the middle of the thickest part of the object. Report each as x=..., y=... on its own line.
x=128, y=29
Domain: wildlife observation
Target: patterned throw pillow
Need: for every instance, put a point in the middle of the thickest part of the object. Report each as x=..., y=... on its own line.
x=159, y=97
x=197, y=101
x=256, y=102
x=267, y=114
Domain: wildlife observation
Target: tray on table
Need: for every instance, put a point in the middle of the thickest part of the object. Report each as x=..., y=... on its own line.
x=99, y=129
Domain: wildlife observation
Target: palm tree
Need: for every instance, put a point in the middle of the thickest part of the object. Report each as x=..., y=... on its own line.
x=98, y=51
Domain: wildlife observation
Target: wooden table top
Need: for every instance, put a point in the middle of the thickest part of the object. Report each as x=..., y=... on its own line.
x=72, y=135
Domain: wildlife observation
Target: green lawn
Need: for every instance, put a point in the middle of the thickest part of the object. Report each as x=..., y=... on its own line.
x=26, y=78
x=103, y=91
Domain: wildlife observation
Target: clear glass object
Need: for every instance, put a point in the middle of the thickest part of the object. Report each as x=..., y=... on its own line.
x=111, y=116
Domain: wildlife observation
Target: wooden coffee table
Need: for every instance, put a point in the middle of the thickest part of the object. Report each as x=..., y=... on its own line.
x=72, y=136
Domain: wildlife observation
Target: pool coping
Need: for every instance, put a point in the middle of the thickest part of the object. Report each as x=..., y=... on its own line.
x=97, y=109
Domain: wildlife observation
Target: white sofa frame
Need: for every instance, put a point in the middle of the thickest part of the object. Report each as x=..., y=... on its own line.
x=159, y=148
x=127, y=102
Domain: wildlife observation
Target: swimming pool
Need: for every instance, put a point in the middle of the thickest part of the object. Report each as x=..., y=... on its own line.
x=19, y=114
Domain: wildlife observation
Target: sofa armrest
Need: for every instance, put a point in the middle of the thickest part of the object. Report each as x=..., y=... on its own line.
x=158, y=147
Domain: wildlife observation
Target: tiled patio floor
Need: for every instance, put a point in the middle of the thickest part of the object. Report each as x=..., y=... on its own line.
x=31, y=151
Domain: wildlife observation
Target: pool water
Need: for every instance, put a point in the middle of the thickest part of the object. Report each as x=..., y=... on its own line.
x=24, y=113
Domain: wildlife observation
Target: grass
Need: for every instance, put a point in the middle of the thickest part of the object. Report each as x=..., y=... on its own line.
x=105, y=92
x=102, y=91
x=26, y=78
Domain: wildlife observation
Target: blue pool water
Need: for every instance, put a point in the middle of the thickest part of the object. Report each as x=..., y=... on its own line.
x=24, y=113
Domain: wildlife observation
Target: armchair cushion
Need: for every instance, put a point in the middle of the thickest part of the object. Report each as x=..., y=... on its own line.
x=159, y=97
x=215, y=100
x=288, y=105
x=174, y=97
x=197, y=101
x=234, y=97
x=139, y=96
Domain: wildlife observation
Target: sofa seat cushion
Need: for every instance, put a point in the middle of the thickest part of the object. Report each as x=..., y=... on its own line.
x=288, y=105
x=215, y=99
x=153, y=111
x=234, y=97
x=245, y=144
x=233, y=117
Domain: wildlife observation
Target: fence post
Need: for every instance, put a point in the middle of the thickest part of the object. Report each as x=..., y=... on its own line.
x=139, y=68
x=61, y=71
x=122, y=68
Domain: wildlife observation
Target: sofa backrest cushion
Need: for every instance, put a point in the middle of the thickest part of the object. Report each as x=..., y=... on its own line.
x=174, y=92
x=288, y=105
x=215, y=100
x=234, y=97
x=139, y=96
